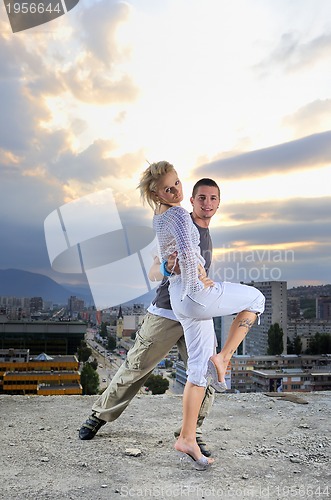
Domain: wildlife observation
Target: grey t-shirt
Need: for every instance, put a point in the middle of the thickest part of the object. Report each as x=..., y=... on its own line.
x=162, y=298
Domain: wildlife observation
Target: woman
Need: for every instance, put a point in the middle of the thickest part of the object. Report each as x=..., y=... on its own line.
x=195, y=300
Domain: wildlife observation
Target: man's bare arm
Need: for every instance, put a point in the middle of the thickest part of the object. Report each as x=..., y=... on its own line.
x=154, y=274
x=172, y=267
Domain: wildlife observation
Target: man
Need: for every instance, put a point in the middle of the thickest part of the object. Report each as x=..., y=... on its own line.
x=159, y=332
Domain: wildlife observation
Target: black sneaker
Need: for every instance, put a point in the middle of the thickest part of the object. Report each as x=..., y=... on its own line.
x=203, y=447
x=90, y=427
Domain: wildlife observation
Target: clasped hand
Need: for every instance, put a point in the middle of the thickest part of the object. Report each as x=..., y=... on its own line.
x=172, y=263
x=207, y=282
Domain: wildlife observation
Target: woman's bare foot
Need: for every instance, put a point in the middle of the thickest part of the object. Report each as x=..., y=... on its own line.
x=221, y=365
x=191, y=448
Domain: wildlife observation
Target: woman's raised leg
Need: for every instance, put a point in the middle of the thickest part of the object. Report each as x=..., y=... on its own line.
x=238, y=331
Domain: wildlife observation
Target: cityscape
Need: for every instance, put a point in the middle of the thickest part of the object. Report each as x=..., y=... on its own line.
x=41, y=344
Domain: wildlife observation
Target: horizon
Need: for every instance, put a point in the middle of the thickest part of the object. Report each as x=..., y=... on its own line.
x=83, y=288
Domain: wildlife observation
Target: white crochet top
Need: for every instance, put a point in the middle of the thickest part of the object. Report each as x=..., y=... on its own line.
x=177, y=233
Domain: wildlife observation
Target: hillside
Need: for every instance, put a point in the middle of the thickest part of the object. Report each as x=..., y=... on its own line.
x=18, y=283
x=309, y=292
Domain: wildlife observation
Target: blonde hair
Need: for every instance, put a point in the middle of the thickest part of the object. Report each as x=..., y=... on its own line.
x=150, y=178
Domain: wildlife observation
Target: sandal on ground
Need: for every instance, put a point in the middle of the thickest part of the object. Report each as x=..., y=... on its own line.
x=90, y=427
x=199, y=464
x=215, y=383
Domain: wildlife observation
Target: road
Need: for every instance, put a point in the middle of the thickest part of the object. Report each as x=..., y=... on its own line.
x=107, y=369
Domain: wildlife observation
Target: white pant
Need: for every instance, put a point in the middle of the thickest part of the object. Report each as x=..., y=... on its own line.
x=195, y=313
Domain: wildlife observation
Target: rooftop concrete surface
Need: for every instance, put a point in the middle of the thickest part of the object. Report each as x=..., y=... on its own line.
x=264, y=448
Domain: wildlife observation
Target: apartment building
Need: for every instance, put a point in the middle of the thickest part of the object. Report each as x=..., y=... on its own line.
x=283, y=373
x=275, y=292
x=42, y=375
x=306, y=329
x=323, y=307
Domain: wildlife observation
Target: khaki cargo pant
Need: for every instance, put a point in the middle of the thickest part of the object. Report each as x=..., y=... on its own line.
x=154, y=340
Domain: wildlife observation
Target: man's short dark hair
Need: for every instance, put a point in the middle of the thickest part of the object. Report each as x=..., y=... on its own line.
x=205, y=182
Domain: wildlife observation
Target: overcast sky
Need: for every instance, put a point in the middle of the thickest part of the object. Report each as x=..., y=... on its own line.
x=236, y=90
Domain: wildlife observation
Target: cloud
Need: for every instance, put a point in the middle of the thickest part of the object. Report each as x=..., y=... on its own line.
x=290, y=241
x=313, y=52
x=95, y=87
x=296, y=266
x=88, y=68
x=87, y=166
x=34, y=69
x=99, y=24
x=294, y=55
x=23, y=246
x=28, y=198
x=19, y=117
x=316, y=210
x=93, y=75
x=22, y=110
x=10, y=57
x=305, y=153
x=271, y=233
x=310, y=118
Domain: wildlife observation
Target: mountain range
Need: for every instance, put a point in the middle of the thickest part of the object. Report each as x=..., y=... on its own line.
x=18, y=283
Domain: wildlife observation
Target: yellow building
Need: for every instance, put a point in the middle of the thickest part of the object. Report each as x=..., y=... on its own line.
x=42, y=375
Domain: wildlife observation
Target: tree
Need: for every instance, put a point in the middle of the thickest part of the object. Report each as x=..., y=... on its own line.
x=103, y=330
x=309, y=307
x=320, y=344
x=309, y=313
x=290, y=346
x=325, y=343
x=83, y=352
x=275, y=340
x=297, y=345
x=94, y=364
x=157, y=384
x=294, y=346
x=111, y=343
x=89, y=379
x=168, y=363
